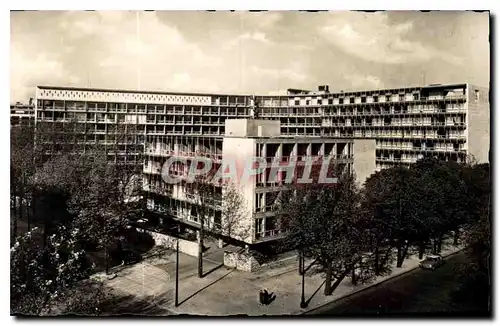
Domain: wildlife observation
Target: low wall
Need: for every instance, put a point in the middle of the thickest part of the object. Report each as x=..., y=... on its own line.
x=241, y=261
x=245, y=262
x=170, y=242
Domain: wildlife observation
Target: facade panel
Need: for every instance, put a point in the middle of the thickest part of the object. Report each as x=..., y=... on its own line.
x=145, y=128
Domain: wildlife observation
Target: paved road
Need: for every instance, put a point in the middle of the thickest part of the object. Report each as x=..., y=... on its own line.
x=420, y=292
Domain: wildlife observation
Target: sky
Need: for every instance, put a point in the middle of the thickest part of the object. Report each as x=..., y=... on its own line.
x=245, y=52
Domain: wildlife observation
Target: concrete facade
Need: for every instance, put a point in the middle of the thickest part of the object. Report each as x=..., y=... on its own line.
x=282, y=161
x=364, y=159
x=407, y=123
x=365, y=131
x=478, y=123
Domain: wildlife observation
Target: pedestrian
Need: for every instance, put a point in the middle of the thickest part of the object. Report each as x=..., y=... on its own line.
x=261, y=297
x=266, y=297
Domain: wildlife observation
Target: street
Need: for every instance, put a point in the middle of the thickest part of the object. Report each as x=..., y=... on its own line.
x=419, y=292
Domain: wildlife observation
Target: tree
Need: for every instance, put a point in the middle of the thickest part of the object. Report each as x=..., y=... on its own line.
x=474, y=288
x=388, y=197
x=105, y=217
x=234, y=223
x=221, y=211
x=21, y=169
x=32, y=150
x=52, y=186
x=40, y=274
x=439, y=200
x=323, y=223
x=203, y=195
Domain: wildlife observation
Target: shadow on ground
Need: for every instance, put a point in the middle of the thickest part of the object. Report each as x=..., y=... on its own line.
x=120, y=305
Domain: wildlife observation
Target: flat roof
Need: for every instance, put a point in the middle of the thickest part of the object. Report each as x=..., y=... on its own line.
x=311, y=93
x=445, y=85
x=110, y=90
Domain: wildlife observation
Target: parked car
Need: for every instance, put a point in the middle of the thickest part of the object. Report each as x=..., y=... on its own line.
x=431, y=262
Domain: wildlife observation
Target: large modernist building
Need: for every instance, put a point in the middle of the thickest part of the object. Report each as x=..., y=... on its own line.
x=136, y=127
x=263, y=162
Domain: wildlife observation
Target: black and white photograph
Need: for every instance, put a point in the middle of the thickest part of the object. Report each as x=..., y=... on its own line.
x=250, y=163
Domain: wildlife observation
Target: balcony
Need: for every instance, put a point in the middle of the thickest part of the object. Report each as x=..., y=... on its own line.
x=304, y=159
x=187, y=154
x=152, y=169
x=157, y=189
x=269, y=234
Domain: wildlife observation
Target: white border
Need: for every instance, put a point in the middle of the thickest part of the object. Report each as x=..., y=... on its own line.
x=199, y=5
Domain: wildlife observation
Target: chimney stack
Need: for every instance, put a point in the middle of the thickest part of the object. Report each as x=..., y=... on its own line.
x=324, y=88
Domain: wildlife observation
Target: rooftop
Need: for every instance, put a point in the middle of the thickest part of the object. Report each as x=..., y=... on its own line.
x=291, y=91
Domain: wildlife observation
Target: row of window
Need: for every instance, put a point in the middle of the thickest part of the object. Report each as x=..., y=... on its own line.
x=363, y=99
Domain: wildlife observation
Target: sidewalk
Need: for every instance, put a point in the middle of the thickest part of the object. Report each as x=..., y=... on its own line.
x=230, y=292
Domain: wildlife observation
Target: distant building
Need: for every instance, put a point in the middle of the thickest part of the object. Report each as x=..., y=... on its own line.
x=22, y=114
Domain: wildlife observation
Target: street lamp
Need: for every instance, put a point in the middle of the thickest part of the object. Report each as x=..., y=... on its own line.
x=177, y=267
x=303, y=303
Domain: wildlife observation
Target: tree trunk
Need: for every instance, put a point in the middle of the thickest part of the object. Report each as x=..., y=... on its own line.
x=328, y=281
x=17, y=206
x=440, y=242
x=434, y=246
x=21, y=199
x=301, y=257
x=200, y=252
x=33, y=209
x=106, y=258
x=354, y=279
x=405, y=250
x=13, y=217
x=386, y=257
x=402, y=251
x=45, y=230
x=377, y=259
x=455, y=237
x=399, y=261
x=14, y=230
x=28, y=212
x=421, y=249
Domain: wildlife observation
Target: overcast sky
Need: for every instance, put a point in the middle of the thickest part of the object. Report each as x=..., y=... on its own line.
x=244, y=52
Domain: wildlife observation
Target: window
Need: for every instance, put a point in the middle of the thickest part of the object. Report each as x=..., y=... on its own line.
x=375, y=99
x=259, y=202
x=363, y=99
x=320, y=102
x=401, y=98
x=341, y=101
x=308, y=102
x=476, y=95
x=297, y=102
x=330, y=101
x=351, y=100
x=218, y=219
x=258, y=227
